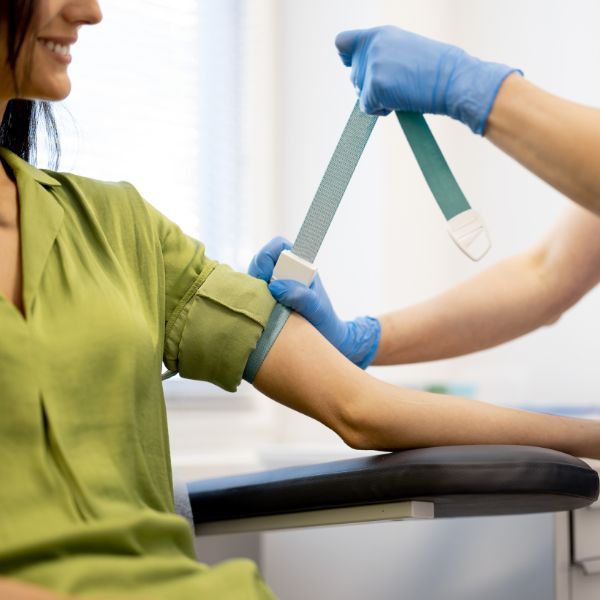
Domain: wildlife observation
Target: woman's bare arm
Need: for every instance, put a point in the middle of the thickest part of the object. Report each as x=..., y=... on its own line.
x=508, y=300
x=303, y=371
x=556, y=139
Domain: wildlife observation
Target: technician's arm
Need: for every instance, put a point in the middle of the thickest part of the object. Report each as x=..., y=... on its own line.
x=556, y=139
x=303, y=371
x=393, y=69
x=507, y=300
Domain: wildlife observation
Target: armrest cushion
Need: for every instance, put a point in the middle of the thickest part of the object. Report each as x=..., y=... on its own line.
x=459, y=480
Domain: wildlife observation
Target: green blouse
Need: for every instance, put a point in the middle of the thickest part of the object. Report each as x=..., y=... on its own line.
x=111, y=289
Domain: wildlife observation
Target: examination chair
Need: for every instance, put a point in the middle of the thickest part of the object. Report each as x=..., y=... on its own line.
x=453, y=481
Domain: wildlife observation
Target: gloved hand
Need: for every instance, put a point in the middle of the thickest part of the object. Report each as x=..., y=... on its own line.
x=357, y=339
x=393, y=69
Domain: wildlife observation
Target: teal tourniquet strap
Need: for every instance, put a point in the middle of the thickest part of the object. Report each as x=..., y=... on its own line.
x=466, y=228
x=277, y=320
x=333, y=184
x=316, y=223
x=446, y=191
x=439, y=178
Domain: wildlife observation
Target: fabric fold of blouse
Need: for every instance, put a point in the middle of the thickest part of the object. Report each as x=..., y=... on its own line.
x=214, y=331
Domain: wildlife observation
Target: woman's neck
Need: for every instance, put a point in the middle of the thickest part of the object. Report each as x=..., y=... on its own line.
x=6, y=176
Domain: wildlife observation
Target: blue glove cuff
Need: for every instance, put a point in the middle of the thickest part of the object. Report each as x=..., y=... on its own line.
x=480, y=127
x=477, y=86
x=361, y=340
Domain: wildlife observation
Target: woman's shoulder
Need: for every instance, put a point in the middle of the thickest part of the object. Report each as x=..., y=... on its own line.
x=99, y=193
x=114, y=207
x=113, y=203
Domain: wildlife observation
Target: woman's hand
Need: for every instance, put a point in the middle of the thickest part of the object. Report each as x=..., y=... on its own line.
x=357, y=339
x=393, y=69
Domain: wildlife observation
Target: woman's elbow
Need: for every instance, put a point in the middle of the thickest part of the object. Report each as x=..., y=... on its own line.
x=357, y=422
x=356, y=439
x=350, y=426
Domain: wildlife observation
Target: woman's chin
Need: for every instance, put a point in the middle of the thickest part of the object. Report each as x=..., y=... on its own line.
x=54, y=94
x=59, y=96
x=46, y=86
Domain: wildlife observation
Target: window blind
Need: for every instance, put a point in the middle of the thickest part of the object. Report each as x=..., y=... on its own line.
x=158, y=94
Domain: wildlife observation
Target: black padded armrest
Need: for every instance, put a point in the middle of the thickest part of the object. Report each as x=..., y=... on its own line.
x=459, y=480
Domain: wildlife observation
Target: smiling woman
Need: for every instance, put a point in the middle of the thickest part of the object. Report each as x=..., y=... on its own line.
x=49, y=218
x=112, y=288
x=39, y=70
x=31, y=69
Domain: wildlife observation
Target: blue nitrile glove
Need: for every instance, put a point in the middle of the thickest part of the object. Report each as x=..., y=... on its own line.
x=357, y=339
x=393, y=69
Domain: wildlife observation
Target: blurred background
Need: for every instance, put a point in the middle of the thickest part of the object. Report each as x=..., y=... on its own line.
x=224, y=114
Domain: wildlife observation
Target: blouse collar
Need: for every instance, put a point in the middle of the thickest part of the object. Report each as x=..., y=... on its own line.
x=41, y=219
x=18, y=165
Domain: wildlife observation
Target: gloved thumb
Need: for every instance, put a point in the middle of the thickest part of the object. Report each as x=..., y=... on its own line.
x=263, y=263
x=294, y=295
x=346, y=43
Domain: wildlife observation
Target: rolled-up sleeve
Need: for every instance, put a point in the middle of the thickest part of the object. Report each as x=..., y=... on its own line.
x=214, y=315
x=219, y=327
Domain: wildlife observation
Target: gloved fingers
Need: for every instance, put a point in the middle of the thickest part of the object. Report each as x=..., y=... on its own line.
x=366, y=84
x=295, y=295
x=369, y=99
x=317, y=287
x=359, y=62
x=345, y=42
x=313, y=304
x=381, y=112
x=263, y=263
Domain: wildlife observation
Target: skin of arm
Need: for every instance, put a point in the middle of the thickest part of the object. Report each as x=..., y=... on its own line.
x=11, y=589
x=304, y=372
x=508, y=300
x=556, y=139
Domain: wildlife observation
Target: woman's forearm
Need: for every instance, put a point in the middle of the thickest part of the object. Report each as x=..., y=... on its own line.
x=556, y=139
x=404, y=418
x=303, y=371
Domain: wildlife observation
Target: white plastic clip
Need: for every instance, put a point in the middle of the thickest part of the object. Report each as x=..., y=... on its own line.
x=468, y=231
x=290, y=266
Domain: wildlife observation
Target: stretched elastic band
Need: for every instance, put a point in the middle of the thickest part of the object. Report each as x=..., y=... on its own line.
x=348, y=151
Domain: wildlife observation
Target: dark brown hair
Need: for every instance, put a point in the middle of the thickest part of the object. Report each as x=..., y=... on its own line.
x=18, y=130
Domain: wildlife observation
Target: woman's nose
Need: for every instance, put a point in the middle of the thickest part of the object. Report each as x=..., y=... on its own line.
x=84, y=12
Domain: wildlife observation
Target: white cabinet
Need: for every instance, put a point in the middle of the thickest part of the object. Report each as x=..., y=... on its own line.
x=584, y=529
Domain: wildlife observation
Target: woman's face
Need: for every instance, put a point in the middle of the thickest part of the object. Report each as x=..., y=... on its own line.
x=41, y=69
